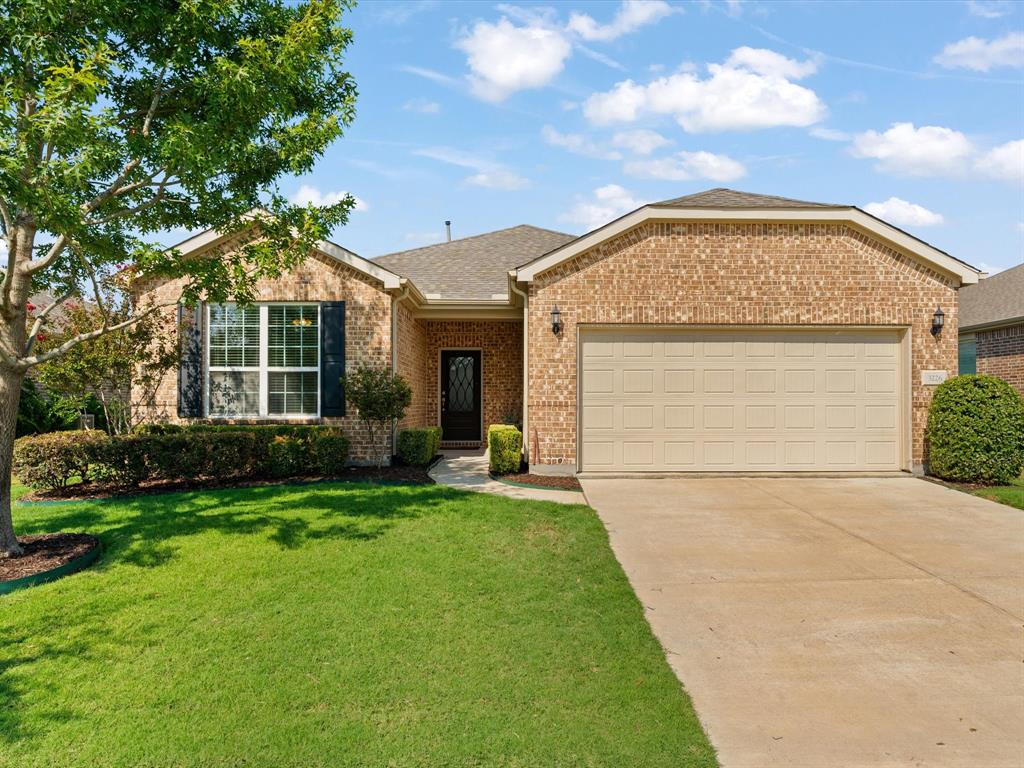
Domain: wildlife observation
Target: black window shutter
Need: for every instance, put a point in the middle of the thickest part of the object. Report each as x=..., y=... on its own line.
x=332, y=358
x=190, y=368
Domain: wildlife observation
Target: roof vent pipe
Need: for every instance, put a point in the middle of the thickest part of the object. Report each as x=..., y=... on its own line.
x=448, y=230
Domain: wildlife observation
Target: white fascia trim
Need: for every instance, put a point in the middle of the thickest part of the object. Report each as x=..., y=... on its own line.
x=358, y=263
x=213, y=236
x=902, y=240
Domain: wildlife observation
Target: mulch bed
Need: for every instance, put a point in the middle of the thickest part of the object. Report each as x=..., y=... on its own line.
x=45, y=552
x=562, y=482
x=86, y=491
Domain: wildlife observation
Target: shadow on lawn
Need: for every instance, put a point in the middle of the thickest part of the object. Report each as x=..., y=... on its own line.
x=142, y=531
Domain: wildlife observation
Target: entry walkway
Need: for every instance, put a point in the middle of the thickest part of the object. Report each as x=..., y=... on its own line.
x=468, y=470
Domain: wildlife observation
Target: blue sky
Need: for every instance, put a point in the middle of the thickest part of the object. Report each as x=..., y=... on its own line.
x=565, y=115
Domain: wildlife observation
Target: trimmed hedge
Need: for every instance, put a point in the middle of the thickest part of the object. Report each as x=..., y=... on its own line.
x=975, y=430
x=236, y=452
x=418, y=447
x=506, y=447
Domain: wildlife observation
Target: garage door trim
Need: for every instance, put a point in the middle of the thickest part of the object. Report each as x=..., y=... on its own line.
x=903, y=393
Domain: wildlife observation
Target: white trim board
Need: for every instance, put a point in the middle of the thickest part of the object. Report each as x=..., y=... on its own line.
x=917, y=248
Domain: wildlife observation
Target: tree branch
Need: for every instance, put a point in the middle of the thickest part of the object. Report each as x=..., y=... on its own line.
x=73, y=342
x=40, y=320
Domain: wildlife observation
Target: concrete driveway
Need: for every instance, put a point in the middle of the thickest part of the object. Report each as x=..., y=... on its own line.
x=822, y=622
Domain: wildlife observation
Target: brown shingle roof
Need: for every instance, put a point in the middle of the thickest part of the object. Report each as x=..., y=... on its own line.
x=473, y=267
x=993, y=300
x=731, y=198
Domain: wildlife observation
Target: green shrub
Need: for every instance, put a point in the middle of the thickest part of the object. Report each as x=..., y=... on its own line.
x=289, y=457
x=52, y=459
x=168, y=452
x=331, y=453
x=417, y=447
x=120, y=460
x=157, y=429
x=975, y=431
x=506, y=446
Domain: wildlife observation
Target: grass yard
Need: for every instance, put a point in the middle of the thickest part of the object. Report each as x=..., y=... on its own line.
x=337, y=625
x=1012, y=494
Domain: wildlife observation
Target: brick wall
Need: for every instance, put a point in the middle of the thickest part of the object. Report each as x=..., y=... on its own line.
x=1001, y=353
x=319, y=278
x=501, y=360
x=411, y=341
x=729, y=274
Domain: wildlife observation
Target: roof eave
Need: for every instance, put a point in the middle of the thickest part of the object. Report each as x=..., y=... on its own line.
x=906, y=242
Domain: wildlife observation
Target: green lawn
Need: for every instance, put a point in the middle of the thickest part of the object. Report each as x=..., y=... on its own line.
x=1012, y=494
x=337, y=625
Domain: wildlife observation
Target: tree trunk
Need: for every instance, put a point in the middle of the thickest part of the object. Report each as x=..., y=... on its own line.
x=10, y=394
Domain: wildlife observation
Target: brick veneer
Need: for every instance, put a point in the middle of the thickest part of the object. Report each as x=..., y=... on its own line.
x=318, y=278
x=729, y=274
x=501, y=345
x=411, y=341
x=1000, y=352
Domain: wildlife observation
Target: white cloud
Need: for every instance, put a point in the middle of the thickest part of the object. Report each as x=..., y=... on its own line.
x=608, y=202
x=829, y=134
x=753, y=89
x=769, y=63
x=989, y=9
x=489, y=173
x=926, y=151
x=578, y=144
x=423, y=106
x=684, y=166
x=632, y=15
x=310, y=195
x=983, y=55
x=498, y=178
x=904, y=214
x=641, y=141
x=429, y=74
x=1005, y=162
x=504, y=58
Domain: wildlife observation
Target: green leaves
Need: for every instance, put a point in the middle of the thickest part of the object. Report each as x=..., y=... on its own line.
x=121, y=119
x=975, y=431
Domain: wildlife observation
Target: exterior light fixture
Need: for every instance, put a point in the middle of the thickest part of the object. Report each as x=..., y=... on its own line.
x=556, y=320
x=938, y=319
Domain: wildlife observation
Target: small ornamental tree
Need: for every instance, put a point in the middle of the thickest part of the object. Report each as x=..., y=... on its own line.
x=114, y=367
x=381, y=400
x=120, y=120
x=975, y=430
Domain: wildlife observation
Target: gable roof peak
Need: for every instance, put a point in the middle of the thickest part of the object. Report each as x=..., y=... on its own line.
x=723, y=197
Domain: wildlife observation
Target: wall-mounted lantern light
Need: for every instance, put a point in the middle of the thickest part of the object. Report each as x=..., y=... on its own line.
x=556, y=320
x=938, y=319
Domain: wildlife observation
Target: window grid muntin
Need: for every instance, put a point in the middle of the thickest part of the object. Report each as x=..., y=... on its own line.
x=307, y=388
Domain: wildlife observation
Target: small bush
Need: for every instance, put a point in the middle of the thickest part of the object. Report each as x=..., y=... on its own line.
x=506, y=446
x=52, y=459
x=417, y=447
x=331, y=453
x=975, y=430
x=172, y=453
x=289, y=457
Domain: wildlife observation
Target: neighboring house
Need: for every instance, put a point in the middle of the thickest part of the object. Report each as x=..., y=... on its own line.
x=992, y=327
x=716, y=332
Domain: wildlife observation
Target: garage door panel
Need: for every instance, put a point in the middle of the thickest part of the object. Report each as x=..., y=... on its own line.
x=739, y=400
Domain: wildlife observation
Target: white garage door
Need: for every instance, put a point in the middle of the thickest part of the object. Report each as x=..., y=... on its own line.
x=668, y=400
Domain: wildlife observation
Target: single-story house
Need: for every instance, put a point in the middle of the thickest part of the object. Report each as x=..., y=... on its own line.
x=992, y=327
x=717, y=332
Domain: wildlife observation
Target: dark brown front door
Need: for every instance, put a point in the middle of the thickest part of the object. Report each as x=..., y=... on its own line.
x=460, y=395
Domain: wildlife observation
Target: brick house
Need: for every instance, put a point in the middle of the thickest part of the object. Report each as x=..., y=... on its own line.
x=992, y=327
x=721, y=331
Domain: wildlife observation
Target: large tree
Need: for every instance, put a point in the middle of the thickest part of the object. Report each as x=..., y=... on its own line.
x=122, y=119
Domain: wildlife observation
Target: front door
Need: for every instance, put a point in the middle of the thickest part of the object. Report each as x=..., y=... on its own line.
x=460, y=395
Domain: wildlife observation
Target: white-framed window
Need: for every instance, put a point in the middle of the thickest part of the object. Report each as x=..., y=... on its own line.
x=263, y=360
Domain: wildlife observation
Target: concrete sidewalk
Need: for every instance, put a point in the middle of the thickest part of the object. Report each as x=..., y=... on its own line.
x=855, y=623
x=468, y=471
